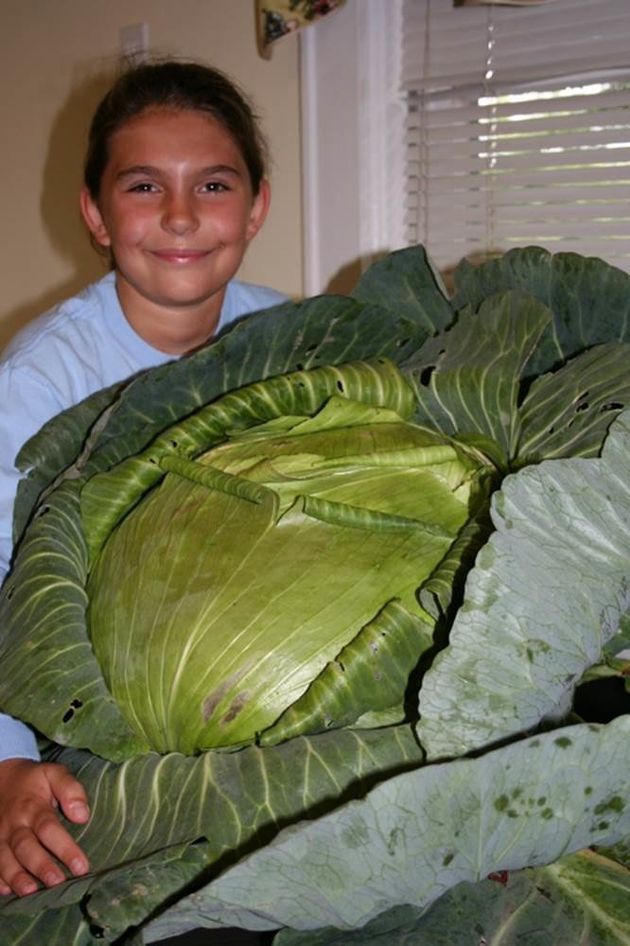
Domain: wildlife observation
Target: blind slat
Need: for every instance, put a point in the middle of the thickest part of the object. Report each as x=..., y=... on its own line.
x=615, y=126
x=570, y=202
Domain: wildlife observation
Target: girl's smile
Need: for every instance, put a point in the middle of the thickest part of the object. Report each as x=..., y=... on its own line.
x=180, y=256
x=176, y=208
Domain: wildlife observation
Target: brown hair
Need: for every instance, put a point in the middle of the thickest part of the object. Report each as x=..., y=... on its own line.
x=178, y=85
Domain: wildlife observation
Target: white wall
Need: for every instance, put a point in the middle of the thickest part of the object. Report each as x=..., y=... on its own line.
x=56, y=60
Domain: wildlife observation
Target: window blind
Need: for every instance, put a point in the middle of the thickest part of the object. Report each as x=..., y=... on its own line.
x=518, y=128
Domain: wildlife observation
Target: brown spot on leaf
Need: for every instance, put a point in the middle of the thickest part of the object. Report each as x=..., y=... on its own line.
x=213, y=699
x=238, y=703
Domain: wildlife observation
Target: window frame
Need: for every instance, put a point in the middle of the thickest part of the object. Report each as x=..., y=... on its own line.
x=353, y=154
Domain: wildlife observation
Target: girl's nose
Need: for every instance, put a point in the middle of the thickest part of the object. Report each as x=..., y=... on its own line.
x=179, y=214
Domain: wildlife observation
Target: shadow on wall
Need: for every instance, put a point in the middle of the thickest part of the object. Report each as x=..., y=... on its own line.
x=345, y=279
x=59, y=206
x=347, y=276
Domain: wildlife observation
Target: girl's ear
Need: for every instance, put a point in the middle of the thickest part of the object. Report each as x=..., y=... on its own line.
x=93, y=218
x=259, y=210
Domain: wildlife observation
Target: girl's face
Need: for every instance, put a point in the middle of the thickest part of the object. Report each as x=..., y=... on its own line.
x=177, y=210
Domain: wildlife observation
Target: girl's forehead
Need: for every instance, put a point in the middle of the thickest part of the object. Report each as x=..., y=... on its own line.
x=171, y=130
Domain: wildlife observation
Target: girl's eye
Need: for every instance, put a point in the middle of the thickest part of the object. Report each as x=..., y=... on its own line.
x=214, y=187
x=144, y=187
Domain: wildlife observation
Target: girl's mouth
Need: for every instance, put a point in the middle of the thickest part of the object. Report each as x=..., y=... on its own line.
x=179, y=256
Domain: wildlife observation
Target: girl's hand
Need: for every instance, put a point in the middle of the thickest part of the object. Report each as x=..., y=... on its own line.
x=33, y=842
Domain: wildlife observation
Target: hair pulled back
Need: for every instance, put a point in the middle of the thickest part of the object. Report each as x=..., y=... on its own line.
x=174, y=84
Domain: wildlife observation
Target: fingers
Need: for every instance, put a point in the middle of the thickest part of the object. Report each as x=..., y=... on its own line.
x=23, y=861
x=34, y=845
x=14, y=878
x=50, y=837
x=26, y=856
x=69, y=794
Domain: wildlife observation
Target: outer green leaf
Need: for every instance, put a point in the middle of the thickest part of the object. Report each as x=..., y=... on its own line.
x=66, y=927
x=567, y=413
x=127, y=895
x=590, y=299
x=43, y=637
x=546, y=593
x=415, y=836
x=142, y=810
x=406, y=282
x=468, y=378
x=66, y=439
x=580, y=899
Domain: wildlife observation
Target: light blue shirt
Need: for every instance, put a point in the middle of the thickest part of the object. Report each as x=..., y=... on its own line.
x=80, y=346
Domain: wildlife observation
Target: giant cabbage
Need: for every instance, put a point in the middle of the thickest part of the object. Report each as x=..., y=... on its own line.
x=315, y=613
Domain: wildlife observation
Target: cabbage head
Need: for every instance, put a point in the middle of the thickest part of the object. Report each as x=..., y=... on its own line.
x=242, y=574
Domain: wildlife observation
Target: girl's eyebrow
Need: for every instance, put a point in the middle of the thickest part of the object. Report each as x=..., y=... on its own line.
x=150, y=171
x=136, y=169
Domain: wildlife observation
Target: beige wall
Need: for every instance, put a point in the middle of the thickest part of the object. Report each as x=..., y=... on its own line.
x=56, y=59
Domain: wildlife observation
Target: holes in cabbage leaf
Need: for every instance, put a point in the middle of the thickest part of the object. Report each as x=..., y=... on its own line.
x=74, y=705
x=340, y=386
x=426, y=375
x=584, y=405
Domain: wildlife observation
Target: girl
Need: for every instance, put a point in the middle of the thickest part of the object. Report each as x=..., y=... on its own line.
x=174, y=190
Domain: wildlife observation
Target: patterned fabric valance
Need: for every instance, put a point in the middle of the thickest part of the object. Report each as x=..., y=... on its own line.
x=277, y=18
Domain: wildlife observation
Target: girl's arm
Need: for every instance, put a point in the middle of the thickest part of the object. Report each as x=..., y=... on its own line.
x=32, y=793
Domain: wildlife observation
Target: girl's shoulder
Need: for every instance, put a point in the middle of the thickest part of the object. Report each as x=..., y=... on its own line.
x=68, y=325
x=241, y=298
